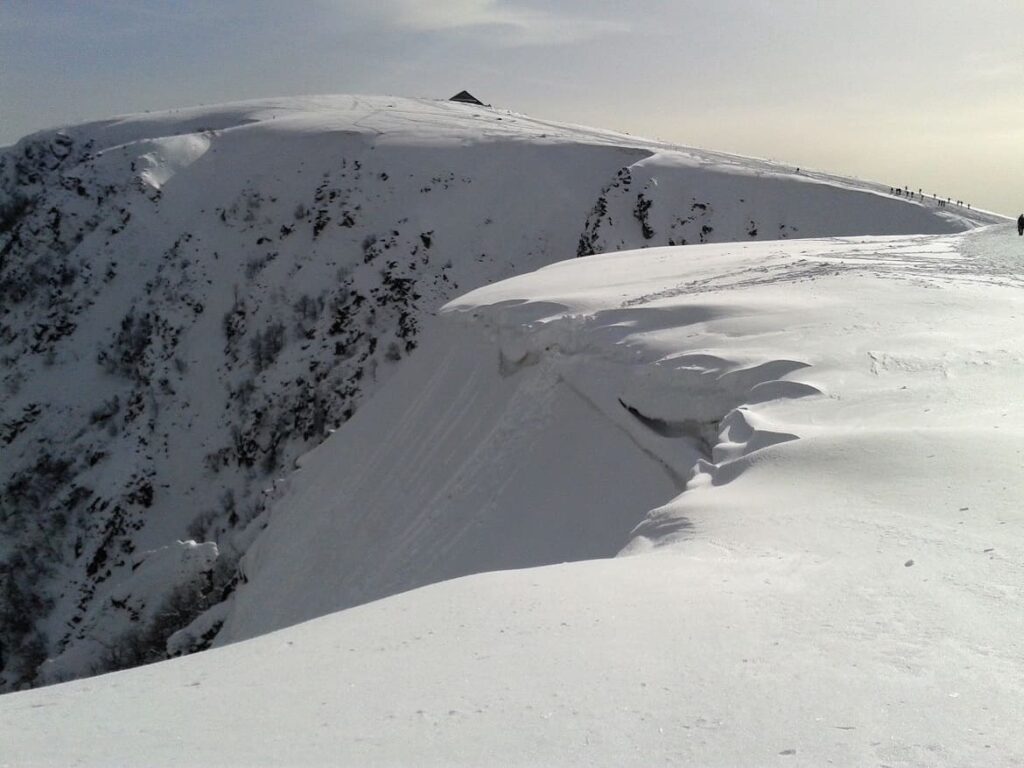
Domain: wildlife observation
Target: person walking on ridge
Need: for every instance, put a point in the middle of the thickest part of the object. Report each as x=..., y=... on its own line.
x=1020, y=224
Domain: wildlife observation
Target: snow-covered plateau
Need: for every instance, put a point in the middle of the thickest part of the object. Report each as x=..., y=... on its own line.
x=748, y=498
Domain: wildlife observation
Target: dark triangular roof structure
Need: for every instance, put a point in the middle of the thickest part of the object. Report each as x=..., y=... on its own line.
x=465, y=97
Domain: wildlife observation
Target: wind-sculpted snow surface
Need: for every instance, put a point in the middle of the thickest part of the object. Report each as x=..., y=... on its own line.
x=620, y=380
x=807, y=454
x=554, y=449
x=190, y=300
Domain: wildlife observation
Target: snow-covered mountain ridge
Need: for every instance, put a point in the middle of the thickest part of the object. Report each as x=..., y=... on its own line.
x=191, y=300
x=836, y=584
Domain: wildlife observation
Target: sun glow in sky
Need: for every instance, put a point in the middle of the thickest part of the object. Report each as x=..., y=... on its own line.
x=923, y=94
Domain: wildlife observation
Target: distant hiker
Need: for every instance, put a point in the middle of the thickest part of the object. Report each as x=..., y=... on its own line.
x=1020, y=224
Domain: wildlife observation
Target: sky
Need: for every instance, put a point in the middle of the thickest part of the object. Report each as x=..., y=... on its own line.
x=923, y=94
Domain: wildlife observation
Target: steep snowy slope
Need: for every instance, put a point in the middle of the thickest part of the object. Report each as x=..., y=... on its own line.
x=608, y=395
x=190, y=300
x=839, y=582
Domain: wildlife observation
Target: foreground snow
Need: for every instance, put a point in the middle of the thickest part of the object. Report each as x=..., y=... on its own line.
x=838, y=583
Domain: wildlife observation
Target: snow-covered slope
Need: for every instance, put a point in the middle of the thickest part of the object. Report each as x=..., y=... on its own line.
x=616, y=378
x=837, y=584
x=190, y=300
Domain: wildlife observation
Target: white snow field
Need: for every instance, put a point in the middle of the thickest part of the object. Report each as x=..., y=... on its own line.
x=191, y=300
x=806, y=454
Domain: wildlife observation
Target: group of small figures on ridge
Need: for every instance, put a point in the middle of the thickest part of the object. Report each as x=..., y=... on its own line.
x=939, y=202
x=906, y=192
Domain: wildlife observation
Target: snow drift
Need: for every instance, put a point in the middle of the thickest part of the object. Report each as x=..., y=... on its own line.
x=834, y=584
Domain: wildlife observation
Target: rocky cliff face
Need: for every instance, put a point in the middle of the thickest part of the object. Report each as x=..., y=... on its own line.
x=190, y=300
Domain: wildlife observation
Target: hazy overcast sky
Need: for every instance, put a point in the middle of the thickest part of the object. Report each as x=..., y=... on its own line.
x=928, y=94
